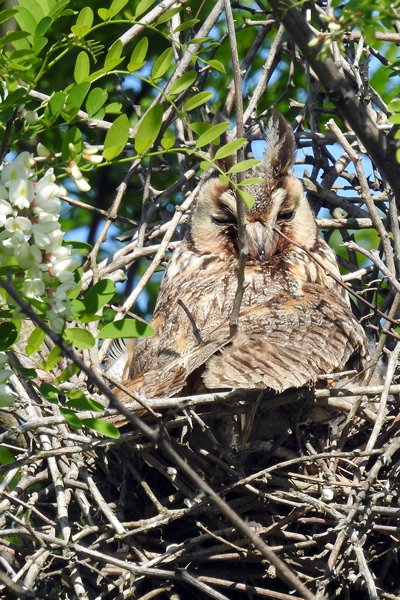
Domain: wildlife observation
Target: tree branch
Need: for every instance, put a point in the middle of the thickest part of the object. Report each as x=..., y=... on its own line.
x=342, y=91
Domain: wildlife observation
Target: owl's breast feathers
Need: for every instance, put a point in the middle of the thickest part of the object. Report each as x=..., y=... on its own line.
x=295, y=323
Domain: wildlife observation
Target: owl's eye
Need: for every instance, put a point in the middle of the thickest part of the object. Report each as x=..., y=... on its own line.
x=286, y=215
x=224, y=218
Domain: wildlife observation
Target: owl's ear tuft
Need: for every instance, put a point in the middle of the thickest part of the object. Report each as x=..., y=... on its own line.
x=281, y=146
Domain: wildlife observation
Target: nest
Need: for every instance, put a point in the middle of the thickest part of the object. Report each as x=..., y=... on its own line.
x=313, y=474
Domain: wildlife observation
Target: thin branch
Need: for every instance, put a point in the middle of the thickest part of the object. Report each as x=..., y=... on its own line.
x=376, y=220
x=241, y=226
x=148, y=19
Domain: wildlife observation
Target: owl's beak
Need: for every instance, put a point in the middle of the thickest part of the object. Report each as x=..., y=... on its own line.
x=262, y=240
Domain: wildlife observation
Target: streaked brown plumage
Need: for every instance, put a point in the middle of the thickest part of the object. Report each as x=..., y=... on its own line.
x=295, y=321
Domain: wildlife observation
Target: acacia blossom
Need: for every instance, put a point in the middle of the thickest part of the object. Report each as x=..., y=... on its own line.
x=31, y=235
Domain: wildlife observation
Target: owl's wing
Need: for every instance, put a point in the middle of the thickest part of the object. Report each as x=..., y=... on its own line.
x=289, y=344
x=173, y=377
x=195, y=296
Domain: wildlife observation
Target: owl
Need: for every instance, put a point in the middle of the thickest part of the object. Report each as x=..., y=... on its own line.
x=295, y=321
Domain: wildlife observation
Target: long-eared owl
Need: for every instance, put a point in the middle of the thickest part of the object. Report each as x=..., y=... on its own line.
x=295, y=321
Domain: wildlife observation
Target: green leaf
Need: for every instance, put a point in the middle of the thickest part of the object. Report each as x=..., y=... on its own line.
x=149, y=128
x=80, y=313
x=82, y=248
x=126, y=328
x=54, y=108
x=58, y=8
x=6, y=399
x=12, y=36
x=229, y=148
x=206, y=164
x=37, y=7
x=53, y=358
x=5, y=15
x=244, y=165
x=183, y=82
x=217, y=65
x=142, y=7
x=102, y=427
x=247, y=198
x=67, y=373
x=168, y=139
x=113, y=57
x=26, y=20
x=114, y=108
x=73, y=137
x=168, y=15
x=49, y=392
x=80, y=338
x=395, y=119
x=199, y=127
x=39, y=44
x=104, y=14
x=201, y=40
x=42, y=27
x=27, y=374
x=213, y=132
x=82, y=67
x=84, y=22
x=197, y=100
x=35, y=340
x=162, y=63
x=99, y=295
x=138, y=55
x=78, y=400
x=8, y=335
x=394, y=105
x=186, y=25
x=116, y=7
x=95, y=100
x=71, y=417
x=75, y=100
x=6, y=456
x=116, y=138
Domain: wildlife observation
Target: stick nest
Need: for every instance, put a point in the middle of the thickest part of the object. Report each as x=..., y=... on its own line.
x=315, y=473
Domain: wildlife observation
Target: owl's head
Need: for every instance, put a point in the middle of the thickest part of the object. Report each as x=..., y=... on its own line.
x=279, y=205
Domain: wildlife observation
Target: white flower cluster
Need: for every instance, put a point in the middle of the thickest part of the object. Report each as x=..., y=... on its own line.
x=31, y=236
x=5, y=391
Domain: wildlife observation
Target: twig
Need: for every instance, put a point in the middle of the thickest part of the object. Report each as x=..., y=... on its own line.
x=380, y=417
x=101, y=503
x=375, y=258
x=376, y=220
x=265, y=75
x=146, y=20
x=241, y=226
